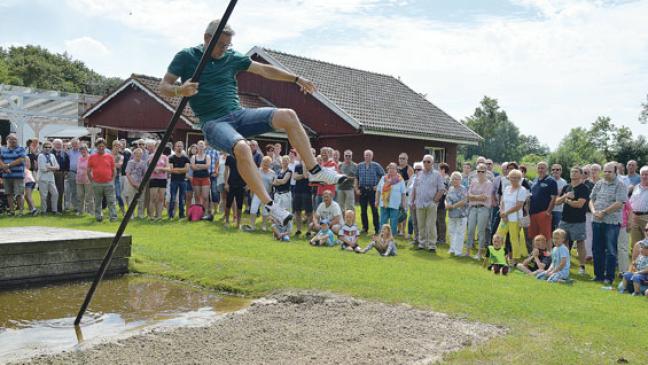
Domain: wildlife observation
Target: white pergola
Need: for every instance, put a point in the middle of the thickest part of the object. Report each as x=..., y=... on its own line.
x=39, y=108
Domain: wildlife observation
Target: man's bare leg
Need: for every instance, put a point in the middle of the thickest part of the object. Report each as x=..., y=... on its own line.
x=249, y=172
x=287, y=120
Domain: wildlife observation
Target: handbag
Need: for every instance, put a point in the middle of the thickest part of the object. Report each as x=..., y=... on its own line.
x=524, y=221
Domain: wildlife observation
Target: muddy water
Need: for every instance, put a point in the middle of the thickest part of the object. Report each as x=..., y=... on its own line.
x=40, y=320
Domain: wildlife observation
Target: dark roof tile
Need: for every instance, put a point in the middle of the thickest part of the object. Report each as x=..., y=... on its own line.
x=380, y=103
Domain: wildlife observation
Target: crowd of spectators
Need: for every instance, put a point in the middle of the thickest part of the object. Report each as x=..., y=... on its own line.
x=504, y=219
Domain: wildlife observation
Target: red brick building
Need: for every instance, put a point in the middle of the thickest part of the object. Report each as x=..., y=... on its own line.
x=352, y=109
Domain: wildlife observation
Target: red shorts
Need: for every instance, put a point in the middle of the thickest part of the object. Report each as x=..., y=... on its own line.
x=200, y=181
x=540, y=224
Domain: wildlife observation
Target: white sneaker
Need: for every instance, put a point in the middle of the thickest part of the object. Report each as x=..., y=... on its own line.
x=278, y=213
x=327, y=176
x=581, y=271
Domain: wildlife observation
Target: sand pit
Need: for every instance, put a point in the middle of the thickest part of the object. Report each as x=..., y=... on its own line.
x=298, y=328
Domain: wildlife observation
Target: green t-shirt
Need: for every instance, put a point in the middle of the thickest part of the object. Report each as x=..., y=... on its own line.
x=496, y=256
x=218, y=89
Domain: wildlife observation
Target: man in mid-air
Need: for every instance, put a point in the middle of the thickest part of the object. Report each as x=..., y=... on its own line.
x=215, y=101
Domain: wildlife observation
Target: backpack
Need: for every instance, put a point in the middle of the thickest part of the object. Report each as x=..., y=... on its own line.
x=195, y=212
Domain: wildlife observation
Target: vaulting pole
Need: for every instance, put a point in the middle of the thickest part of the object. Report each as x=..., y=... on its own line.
x=167, y=136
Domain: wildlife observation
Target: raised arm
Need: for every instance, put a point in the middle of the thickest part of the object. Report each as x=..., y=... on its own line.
x=273, y=73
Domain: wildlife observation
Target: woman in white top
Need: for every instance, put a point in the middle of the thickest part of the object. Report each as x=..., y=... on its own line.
x=267, y=176
x=220, y=181
x=511, y=204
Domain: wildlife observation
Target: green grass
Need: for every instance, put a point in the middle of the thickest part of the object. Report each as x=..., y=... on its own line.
x=546, y=323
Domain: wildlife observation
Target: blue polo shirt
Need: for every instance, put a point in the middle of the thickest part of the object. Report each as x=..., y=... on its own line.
x=541, y=192
x=9, y=155
x=218, y=89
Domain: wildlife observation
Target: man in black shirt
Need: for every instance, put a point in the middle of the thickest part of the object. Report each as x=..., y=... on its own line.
x=178, y=166
x=574, y=197
x=235, y=189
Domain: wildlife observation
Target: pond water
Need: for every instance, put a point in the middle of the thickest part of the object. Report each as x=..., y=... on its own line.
x=41, y=320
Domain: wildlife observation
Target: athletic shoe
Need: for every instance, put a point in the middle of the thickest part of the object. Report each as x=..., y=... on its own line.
x=326, y=176
x=581, y=271
x=247, y=228
x=279, y=214
x=34, y=212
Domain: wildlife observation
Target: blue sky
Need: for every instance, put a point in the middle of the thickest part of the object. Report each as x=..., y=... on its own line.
x=552, y=64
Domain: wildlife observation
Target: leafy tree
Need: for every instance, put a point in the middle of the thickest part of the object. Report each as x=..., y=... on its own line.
x=602, y=142
x=502, y=139
x=643, y=117
x=530, y=145
x=36, y=67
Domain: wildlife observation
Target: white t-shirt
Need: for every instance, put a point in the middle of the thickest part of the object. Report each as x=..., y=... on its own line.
x=291, y=167
x=221, y=169
x=329, y=212
x=510, y=198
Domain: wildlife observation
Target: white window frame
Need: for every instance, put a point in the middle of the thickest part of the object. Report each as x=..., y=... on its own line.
x=439, y=154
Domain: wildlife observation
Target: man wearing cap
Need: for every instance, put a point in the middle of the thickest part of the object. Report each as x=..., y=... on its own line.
x=215, y=101
x=346, y=193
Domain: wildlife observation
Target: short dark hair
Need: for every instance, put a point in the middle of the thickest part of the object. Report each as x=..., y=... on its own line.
x=99, y=141
x=444, y=166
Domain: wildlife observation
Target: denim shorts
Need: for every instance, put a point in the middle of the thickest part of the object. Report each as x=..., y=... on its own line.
x=223, y=133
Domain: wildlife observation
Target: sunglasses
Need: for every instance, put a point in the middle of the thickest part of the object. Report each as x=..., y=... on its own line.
x=556, y=169
x=427, y=161
x=480, y=171
x=347, y=156
x=489, y=163
x=417, y=169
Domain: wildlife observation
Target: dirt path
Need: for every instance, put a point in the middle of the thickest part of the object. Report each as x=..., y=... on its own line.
x=298, y=328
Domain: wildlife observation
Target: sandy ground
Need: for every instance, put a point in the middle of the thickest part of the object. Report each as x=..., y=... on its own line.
x=297, y=328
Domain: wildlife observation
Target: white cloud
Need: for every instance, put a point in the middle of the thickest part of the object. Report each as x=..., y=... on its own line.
x=575, y=61
x=183, y=21
x=86, y=47
x=550, y=74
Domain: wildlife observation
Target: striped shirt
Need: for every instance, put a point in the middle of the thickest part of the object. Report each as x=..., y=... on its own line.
x=426, y=186
x=639, y=199
x=369, y=176
x=213, y=155
x=9, y=155
x=605, y=194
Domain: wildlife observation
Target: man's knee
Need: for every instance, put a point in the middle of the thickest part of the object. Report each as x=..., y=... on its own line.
x=285, y=118
x=242, y=150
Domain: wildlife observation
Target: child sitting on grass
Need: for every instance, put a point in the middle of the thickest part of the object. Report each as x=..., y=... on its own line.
x=281, y=232
x=383, y=243
x=637, y=274
x=540, y=258
x=496, y=257
x=559, y=268
x=349, y=233
x=325, y=236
